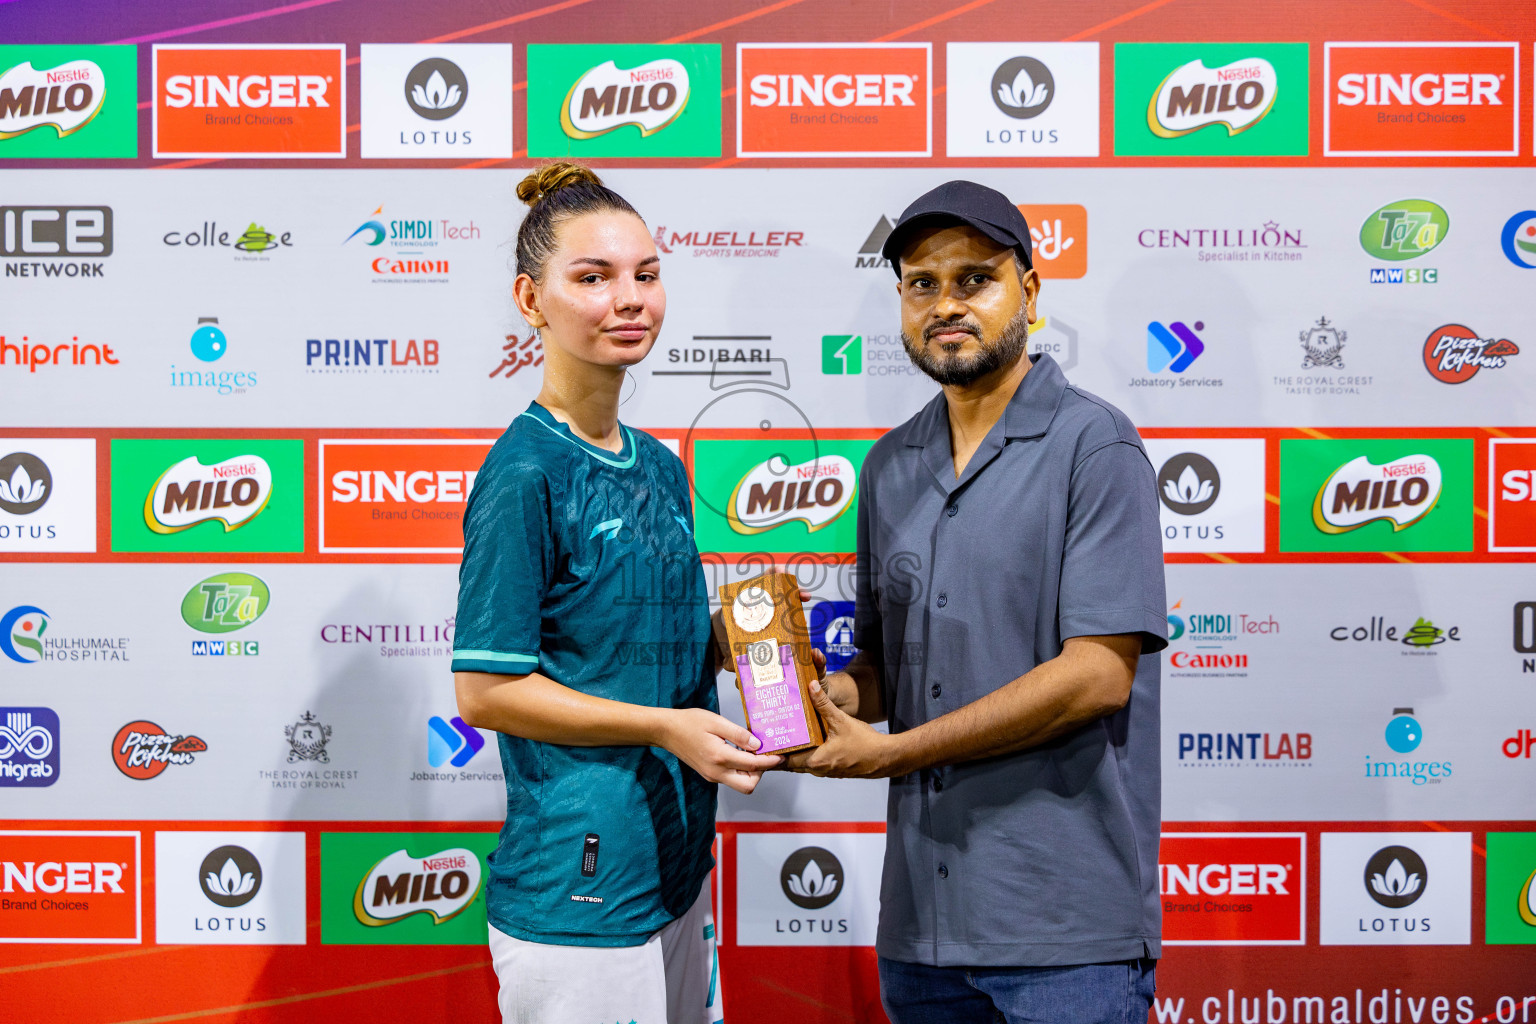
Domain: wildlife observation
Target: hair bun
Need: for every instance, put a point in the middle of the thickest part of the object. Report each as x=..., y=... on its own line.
x=553, y=177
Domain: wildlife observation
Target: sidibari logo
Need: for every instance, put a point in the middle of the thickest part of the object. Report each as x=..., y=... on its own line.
x=1193, y=96
x=1402, y=492
x=441, y=885
x=650, y=97
x=25, y=483
x=225, y=603
x=65, y=98
x=1453, y=353
x=141, y=750
x=773, y=493
x=232, y=492
x=811, y=878
x=1404, y=230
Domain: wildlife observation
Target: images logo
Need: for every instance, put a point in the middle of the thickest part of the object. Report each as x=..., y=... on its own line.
x=45, y=874
x=1511, y=888
x=1403, y=733
x=396, y=496
x=21, y=631
x=1323, y=344
x=208, y=344
x=1233, y=888
x=1235, y=96
x=452, y=742
x=66, y=101
x=1420, y=99
x=230, y=876
x=1453, y=354
x=774, y=492
x=1174, y=347
x=29, y=747
x=1512, y=495
x=141, y=750
x=1059, y=237
x=232, y=492
x=834, y=99
x=25, y=483
x=272, y=101
x=225, y=603
x=1404, y=230
x=375, y=890
x=1518, y=239
x=811, y=877
x=1401, y=494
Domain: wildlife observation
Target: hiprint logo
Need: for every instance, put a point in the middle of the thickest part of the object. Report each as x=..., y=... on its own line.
x=271, y=101
x=70, y=886
x=142, y=750
x=811, y=878
x=36, y=354
x=1235, y=96
x=1518, y=239
x=1233, y=888
x=231, y=492
x=1453, y=353
x=29, y=747
x=1401, y=492
x=396, y=496
x=1059, y=239
x=774, y=492
x=1512, y=497
x=440, y=886
x=21, y=632
x=68, y=101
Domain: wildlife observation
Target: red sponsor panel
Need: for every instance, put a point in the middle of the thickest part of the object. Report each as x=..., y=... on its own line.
x=1421, y=99
x=830, y=100
x=250, y=100
x=1512, y=494
x=1233, y=888
x=405, y=497
x=69, y=887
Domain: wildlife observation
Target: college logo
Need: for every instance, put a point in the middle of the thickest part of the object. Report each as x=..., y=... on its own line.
x=65, y=101
x=1512, y=494
x=1453, y=353
x=70, y=887
x=29, y=747
x=1396, y=888
x=1420, y=99
x=142, y=750
x=1510, y=902
x=774, y=492
x=375, y=890
x=271, y=101
x=811, y=877
x=1059, y=237
x=231, y=492
x=396, y=496
x=1401, y=492
x=1421, y=636
x=251, y=244
x=623, y=100
x=833, y=99
x=436, y=101
x=1404, y=230
x=1233, y=888
x=1224, y=99
x=1518, y=239
x=229, y=888
x=307, y=739
x=225, y=603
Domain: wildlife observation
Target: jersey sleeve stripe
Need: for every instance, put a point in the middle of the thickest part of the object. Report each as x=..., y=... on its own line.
x=493, y=661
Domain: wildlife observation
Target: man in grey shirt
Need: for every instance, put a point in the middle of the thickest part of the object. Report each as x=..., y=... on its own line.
x=1009, y=612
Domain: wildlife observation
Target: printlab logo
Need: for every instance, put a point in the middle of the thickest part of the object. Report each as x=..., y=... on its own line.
x=21, y=633
x=307, y=739
x=230, y=876
x=1454, y=353
x=436, y=89
x=25, y=483
x=1188, y=484
x=1404, y=230
x=811, y=878
x=1518, y=239
x=29, y=747
x=452, y=742
x=1173, y=347
x=1023, y=87
x=1395, y=877
x=518, y=353
x=142, y=750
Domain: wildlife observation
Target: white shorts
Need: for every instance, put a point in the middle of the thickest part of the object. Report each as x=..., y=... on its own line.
x=671, y=978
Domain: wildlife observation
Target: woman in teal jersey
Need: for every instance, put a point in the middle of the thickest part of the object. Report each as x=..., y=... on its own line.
x=583, y=638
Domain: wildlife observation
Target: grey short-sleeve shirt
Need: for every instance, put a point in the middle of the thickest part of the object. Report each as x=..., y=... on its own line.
x=1047, y=856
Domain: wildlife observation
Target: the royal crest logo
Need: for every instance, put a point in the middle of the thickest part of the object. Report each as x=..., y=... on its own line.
x=1193, y=96
x=1454, y=353
x=441, y=885
x=1323, y=344
x=650, y=97
x=232, y=492
x=307, y=739
x=64, y=98
x=142, y=750
x=1402, y=492
x=774, y=492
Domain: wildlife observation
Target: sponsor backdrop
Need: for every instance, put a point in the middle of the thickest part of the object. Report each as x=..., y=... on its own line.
x=256, y=339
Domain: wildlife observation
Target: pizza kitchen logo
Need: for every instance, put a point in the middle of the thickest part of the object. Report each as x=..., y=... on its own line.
x=142, y=750
x=231, y=492
x=774, y=492
x=1359, y=492
x=1454, y=353
x=1193, y=96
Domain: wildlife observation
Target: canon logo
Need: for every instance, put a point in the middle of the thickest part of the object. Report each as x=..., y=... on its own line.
x=68, y=876
x=1223, y=879
x=1426, y=90
x=376, y=485
x=249, y=91
x=833, y=90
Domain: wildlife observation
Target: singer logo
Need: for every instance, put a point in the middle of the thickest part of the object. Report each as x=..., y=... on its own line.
x=774, y=492
x=69, y=887
x=1402, y=492
x=396, y=496
x=250, y=100
x=834, y=99
x=1233, y=888
x=1420, y=99
x=1512, y=494
x=232, y=492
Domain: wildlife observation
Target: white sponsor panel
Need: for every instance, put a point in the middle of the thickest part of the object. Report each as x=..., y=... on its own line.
x=1210, y=492
x=434, y=102
x=47, y=494
x=1020, y=100
x=230, y=888
x=1396, y=889
x=808, y=888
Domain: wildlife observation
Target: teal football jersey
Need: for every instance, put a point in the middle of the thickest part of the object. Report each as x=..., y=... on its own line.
x=580, y=564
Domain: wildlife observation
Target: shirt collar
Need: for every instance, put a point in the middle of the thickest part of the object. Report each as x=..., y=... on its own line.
x=1029, y=412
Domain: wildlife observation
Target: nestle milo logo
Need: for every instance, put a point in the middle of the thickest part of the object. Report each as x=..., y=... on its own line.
x=774, y=492
x=1405, y=229
x=225, y=603
x=1402, y=492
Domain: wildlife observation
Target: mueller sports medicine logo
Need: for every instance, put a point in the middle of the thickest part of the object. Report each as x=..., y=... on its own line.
x=65, y=97
x=1233, y=888
x=69, y=887
x=728, y=243
x=649, y=96
x=55, y=241
x=1193, y=96
x=396, y=496
x=441, y=886
x=1421, y=99
x=834, y=99
x=249, y=100
x=231, y=492
x=29, y=747
x=1401, y=492
x=1454, y=353
x=774, y=492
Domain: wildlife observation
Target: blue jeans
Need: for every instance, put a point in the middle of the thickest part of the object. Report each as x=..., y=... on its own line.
x=1115, y=993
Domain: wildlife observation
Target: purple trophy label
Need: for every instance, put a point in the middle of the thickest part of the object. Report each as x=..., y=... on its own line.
x=770, y=687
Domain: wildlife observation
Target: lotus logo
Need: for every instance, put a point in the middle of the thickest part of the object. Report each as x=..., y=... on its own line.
x=230, y=876
x=441, y=885
x=1188, y=484
x=811, y=878
x=436, y=89
x=64, y=98
x=21, y=633
x=1360, y=492
x=773, y=493
x=1023, y=87
x=1193, y=96
x=608, y=97
x=1395, y=877
x=25, y=483
x=232, y=492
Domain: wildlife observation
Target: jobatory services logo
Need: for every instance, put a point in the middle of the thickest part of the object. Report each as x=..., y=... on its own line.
x=1172, y=348
x=27, y=636
x=56, y=241
x=1396, y=888
x=207, y=495
x=1421, y=99
x=1518, y=239
x=1404, y=230
x=452, y=742
x=142, y=750
x=225, y=603
x=436, y=101
x=1059, y=239
x=1453, y=353
x=1512, y=494
x=249, y=100
x=807, y=889
x=1510, y=893
x=403, y=888
x=624, y=100
x=209, y=344
x=396, y=496
x=1233, y=888
x=29, y=747
x=1399, y=494
x=70, y=886
x=1211, y=99
x=252, y=244
x=1211, y=492
x=47, y=494
x=229, y=888
x=1022, y=99
x=63, y=101
x=834, y=99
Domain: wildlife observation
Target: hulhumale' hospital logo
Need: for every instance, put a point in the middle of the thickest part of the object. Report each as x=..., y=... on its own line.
x=811, y=877
x=21, y=631
x=650, y=97
x=1236, y=96
x=1401, y=492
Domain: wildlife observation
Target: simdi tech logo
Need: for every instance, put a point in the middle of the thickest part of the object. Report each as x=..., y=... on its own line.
x=1376, y=494
x=69, y=102
x=404, y=496
x=623, y=99
x=1421, y=99
x=248, y=100
x=834, y=99
x=436, y=100
x=1233, y=888
x=403, y=888
x=1211, y=99
x=70, y=886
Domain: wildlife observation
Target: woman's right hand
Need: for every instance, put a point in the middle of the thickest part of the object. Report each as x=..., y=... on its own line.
x=715, y=747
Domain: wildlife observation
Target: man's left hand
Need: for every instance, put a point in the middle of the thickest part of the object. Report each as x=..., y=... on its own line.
x=853, y=749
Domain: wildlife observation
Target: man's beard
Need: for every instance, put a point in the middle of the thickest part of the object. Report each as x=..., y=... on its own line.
x=951, y=369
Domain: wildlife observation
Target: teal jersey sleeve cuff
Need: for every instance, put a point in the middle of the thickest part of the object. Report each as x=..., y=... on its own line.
x=499, y=662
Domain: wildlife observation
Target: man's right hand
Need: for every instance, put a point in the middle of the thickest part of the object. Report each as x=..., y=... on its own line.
x=715, y=747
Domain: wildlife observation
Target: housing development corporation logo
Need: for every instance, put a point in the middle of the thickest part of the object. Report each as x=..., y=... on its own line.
x=1022, y=99
x=1453, y=353
x=68, y=101
x=377, y=889
x=29, y=747
x=142, y=750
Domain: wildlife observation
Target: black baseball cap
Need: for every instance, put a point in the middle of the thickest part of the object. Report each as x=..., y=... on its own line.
x=985, y=209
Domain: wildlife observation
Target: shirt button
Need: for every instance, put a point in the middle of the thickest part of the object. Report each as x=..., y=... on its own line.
x=935, y=690
x=952, y=510
x=938, y=784
x=943, y=600
x=943, y=871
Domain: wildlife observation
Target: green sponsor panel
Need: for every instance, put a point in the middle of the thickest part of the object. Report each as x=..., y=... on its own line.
x=1306, y=466
x=272, y=520
x=777, y=495
x=1511, y=889
x=623, y=100
x=226, y=602
x=1244, y=111
x=69, y=102
x=404, y=888
x=1404, y=230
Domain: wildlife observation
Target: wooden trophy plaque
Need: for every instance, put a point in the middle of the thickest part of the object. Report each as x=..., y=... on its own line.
x=770, y=649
